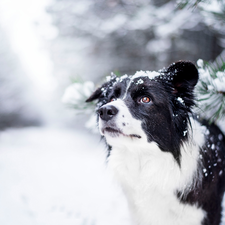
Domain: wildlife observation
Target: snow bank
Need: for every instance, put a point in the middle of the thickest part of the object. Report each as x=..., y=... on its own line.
x=55, y=177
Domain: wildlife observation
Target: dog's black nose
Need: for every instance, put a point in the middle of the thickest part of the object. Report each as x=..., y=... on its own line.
x=107, y=112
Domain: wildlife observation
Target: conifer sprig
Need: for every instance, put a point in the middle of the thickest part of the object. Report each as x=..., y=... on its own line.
x=75, y=96
x=211, y=90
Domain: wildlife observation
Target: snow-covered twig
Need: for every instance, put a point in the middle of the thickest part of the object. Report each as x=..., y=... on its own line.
x=75, y=96
x=211, y=90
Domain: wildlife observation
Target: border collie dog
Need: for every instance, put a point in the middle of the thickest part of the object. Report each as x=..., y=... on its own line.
x=169, y=162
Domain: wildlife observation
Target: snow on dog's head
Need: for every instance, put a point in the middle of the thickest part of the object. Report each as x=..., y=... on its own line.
x=148, y=107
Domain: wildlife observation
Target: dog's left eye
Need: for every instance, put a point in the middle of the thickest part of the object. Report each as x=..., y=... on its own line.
x=145, y=100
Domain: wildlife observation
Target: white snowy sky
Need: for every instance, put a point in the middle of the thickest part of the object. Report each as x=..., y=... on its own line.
x=26, y=23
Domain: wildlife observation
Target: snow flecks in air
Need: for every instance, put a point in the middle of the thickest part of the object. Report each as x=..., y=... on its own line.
x=214, y=166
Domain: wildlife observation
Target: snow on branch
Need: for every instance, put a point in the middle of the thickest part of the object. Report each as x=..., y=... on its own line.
x=211, y=90
x=75, y=97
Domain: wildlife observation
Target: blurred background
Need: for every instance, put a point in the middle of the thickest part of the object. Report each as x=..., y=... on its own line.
x=52, y=169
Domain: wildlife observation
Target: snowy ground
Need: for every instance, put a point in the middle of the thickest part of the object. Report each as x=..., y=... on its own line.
x=52, y=176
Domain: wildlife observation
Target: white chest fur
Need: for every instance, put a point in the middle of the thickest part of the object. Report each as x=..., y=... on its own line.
x=150, y=179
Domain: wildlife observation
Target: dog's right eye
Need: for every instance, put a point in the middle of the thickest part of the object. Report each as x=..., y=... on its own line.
x=144, y=100
x=113, y=99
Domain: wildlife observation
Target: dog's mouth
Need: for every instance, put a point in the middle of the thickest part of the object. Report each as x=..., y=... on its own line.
x=117, y=132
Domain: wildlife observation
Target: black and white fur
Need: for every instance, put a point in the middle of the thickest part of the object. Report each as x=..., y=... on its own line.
x=169, y=163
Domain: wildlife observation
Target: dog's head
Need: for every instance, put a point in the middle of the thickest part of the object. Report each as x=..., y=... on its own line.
x=147, y=107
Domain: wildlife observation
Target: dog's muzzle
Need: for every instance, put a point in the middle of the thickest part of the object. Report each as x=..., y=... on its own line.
x=107, y=112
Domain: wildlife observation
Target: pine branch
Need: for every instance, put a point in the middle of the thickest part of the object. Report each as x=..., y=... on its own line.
x=211, y=90
x=187, y=3
x=75, y=96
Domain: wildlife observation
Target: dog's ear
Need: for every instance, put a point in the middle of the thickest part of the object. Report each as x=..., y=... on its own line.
x=184, y=76
x=102, y=93
x=95, y=95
